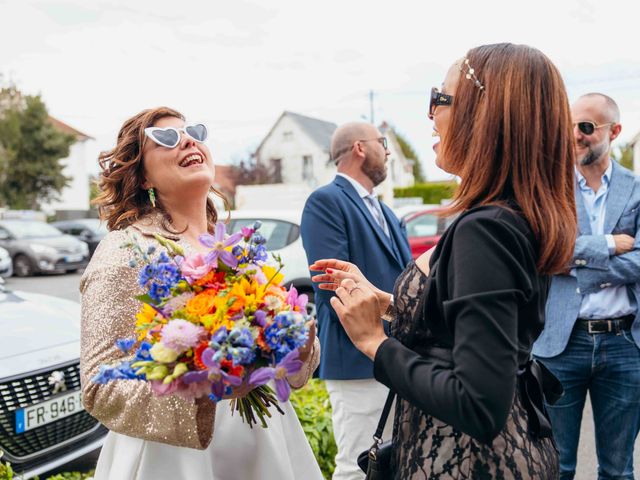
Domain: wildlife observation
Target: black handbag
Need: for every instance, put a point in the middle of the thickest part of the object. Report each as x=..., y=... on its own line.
x=376, y=461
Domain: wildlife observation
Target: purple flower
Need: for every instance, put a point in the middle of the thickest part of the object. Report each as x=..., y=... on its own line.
x=218, y=244
x=295, y=300
x=220, y=380
x=260, y=317
x=289, y=365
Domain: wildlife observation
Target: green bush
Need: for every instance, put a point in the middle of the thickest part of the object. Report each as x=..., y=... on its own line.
x=72, y=476
x=312, y=406
x=6, y=472
x=431, y=192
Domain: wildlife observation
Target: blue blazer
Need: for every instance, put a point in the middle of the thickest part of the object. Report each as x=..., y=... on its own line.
x=595, y=268
x=337, y=224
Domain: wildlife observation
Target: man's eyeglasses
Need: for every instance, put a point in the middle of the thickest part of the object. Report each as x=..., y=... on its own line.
x=438, y=99
x=169, y=137
x=587, y=128
x=381, y=140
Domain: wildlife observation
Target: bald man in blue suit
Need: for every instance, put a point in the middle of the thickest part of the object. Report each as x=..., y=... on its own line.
x=345, y=220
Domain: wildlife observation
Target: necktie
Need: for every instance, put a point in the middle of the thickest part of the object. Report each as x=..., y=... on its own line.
x=378, y=215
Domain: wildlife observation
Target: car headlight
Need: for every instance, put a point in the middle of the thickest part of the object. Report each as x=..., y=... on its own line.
x=4, y=254
x=83, y=248
x=43, y=249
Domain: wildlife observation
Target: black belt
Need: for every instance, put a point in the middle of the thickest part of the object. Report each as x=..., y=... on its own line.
x=606, y=325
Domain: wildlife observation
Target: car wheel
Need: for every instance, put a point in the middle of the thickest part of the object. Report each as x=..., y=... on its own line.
x=22, y=266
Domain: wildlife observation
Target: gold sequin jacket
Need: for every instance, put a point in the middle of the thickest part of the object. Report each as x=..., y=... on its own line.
x=108, y=287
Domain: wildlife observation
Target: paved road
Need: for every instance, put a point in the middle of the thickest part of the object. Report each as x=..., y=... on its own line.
x=66, y=286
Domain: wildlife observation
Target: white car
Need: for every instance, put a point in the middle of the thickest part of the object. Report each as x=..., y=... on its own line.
x=6, y=265
x=42, y=422
x=281, y=228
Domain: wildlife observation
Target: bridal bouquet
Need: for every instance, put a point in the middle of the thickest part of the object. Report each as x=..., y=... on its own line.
x=211, y=323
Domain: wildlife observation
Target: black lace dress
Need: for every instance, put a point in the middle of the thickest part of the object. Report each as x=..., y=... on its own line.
x=425, y=447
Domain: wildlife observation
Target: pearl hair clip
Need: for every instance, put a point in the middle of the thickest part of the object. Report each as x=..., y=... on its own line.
x=470, y=74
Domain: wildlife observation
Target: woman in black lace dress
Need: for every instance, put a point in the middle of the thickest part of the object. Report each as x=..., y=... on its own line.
x=467, y=313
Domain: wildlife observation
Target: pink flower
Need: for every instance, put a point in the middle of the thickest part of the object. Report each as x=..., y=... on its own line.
x=297, y=302
x=160, y=388
x=194, y=267
x=180, y=335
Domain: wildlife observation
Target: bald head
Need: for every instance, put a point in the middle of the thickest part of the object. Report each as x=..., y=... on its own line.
x=345, y=135
x=604, y=103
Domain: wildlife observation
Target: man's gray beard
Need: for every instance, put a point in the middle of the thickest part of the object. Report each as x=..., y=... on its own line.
x=375, y=174
x=593, y=155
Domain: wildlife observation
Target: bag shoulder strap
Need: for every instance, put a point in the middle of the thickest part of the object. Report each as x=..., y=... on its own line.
x=387, y=404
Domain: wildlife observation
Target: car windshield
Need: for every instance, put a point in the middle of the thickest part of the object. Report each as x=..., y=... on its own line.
x=95, y=225
x=30, y=229
x=278, y=233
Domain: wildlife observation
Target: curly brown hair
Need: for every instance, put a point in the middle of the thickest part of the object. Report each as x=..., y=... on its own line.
x=122, y=199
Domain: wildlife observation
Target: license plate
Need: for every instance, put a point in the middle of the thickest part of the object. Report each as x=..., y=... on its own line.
x=47, y=412
x=72, y=258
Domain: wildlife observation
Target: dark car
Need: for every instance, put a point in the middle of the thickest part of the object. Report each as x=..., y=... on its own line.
x=424, y=229
x=37, y=247
x=89, y=230
x=43, y=424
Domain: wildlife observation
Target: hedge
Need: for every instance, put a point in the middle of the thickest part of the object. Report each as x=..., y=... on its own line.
x=431, y=192
x=312, y=406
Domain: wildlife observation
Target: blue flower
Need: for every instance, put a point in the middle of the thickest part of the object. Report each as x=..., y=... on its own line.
x=285, y=334
x=125, y=344
x=108, y=373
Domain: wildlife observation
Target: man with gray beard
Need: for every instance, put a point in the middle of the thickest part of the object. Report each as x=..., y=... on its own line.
x=591, y=336
x=345, y=220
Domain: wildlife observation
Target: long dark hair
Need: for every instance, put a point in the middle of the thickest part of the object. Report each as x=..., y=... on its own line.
x=514, y=140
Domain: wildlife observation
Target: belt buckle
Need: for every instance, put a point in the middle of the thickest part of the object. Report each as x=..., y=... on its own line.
x=589, y=328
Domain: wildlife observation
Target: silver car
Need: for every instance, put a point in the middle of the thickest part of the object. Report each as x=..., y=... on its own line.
x=42, y=422
x=37, y=247
x=6, y=267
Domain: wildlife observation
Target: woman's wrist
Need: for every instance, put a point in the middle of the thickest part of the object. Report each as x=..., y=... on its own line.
x=370, y=348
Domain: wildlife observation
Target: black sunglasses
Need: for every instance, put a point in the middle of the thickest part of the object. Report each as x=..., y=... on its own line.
x=587, y=128
x=438, y=99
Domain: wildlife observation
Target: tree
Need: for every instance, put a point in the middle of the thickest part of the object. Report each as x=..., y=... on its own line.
x=253, y=173
x=624, y=156
x=409, y=152
x=31, y=150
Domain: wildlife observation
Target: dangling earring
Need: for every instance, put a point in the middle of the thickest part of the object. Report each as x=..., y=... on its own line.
x=152, y=197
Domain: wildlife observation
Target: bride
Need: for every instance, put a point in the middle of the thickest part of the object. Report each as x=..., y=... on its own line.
x=157, y=181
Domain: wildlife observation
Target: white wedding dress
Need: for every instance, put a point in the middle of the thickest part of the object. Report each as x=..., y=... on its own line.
x=237, y=452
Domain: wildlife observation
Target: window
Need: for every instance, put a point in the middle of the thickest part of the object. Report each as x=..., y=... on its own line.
x=276, y=170
x=278, y=233
x=307, y=167
x=423, y=226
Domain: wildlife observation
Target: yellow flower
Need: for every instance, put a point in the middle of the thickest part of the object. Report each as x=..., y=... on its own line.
x=272, y=277
x=146, y=320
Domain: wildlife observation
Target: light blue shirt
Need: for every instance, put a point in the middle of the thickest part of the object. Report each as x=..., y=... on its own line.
x=610, y=302
x=369, y=199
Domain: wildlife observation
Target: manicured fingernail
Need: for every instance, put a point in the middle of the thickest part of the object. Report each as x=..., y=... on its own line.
x=329, y=270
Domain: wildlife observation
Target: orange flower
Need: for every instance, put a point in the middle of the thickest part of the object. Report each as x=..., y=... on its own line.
x=201, y=304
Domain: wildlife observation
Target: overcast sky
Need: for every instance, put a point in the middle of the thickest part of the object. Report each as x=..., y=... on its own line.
x=236, y=65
